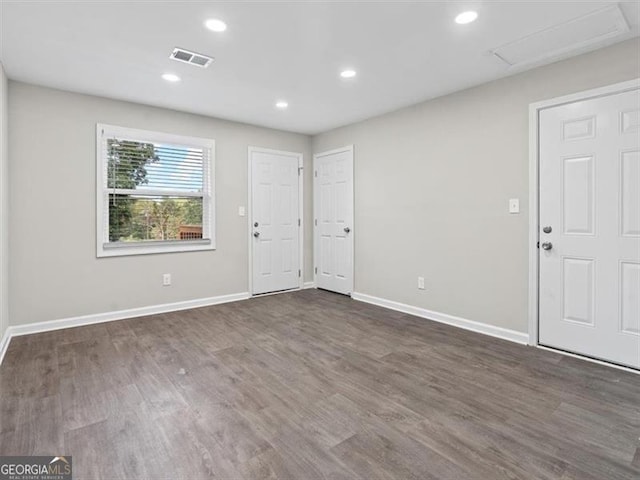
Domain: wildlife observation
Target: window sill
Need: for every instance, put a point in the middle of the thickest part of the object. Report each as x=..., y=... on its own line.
x=120, y=249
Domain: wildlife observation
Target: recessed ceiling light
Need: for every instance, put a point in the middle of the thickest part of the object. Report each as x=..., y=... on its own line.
x=466, y=17
x=170, y=77
x=281, y=104
x=348, y=73
x=215, y=25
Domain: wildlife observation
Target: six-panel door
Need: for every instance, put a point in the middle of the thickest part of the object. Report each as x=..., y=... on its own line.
x=590, y=228
x=333, y=223
x=275, y=222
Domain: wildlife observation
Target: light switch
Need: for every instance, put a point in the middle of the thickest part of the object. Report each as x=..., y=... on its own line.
x=241, y=211
x=514, y=205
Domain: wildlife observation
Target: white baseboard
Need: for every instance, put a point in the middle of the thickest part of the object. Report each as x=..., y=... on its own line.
x=308, y=285
x=472, y=325
x=4, y=343
x=17, y=330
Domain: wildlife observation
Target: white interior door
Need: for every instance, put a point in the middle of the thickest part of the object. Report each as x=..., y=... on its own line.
x=590, y=228
x=333, y=222
x=275, y=220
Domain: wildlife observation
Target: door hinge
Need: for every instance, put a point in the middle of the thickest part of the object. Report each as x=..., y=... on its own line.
x=316, y=222
x=316, y=269
x=300, y=170
x=315, y=174
x=299, y=274
x=298, y=222
x=538, y=245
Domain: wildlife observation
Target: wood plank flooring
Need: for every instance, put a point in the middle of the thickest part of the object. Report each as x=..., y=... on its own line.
x=312, y=385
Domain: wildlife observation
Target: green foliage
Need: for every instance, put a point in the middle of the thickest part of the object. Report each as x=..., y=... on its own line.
x=126, y=169
x=128, y=161
x=167, y=216
x=193, y=212
x=138, y=218
x=156, y=218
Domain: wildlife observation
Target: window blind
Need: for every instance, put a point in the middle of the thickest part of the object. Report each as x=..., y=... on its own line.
x=154, y=191
x=155, y=168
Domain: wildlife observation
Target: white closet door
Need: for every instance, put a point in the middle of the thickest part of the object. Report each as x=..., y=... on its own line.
x=333, y=224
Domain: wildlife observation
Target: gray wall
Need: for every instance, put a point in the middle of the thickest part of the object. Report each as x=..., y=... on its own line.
x=4, y=204
x=432, y=184
x=54, y=270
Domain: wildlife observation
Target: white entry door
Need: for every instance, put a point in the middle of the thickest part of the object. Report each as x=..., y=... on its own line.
x=333, y=220
x=275, y=220
x=590, y=228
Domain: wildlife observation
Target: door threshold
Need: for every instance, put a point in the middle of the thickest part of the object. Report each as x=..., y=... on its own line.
x=331, y=291
x=276, y=292
x=590, y=359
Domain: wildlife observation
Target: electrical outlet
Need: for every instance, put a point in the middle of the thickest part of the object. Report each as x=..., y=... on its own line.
x=420, y=283
x=241, y=211
x=166, y=279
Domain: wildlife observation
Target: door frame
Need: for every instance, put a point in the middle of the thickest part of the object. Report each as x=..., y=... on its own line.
x=350, y=149
x=534, y=189
x=300, y=158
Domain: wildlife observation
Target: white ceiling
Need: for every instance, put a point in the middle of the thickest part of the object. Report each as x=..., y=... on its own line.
x=404, y=52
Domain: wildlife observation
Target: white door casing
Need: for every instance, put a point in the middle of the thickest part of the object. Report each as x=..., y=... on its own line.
x=275, y=220
x=589, y=194
x=333, y=220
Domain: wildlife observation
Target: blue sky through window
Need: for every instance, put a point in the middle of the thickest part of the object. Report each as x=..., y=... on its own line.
x=178, y=168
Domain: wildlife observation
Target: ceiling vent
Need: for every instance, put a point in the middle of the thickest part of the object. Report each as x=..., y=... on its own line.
x=191, y=58
x=564, y=38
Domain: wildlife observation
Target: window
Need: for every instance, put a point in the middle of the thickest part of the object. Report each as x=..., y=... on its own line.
x=155, y=192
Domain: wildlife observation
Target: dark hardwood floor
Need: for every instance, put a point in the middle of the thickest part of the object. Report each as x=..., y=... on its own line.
x=312, y=385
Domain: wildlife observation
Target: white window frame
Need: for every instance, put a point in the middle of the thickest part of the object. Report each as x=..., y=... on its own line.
x=106, y=249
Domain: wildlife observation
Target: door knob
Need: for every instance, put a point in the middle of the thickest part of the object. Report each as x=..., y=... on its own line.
x=547, y=246
x=256, y=234
x=347, y=229
x=547, y=229
x=255, y=224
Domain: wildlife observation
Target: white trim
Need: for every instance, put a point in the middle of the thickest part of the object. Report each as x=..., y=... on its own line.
x=308, y=285
x=4, y=343
x=588, y=94
x=208, y=196
x=533, y=226
x=300, y=158
x=155, y=136
x=534, y=112
x=589, y=359
x=350, y=149
x=39, y=327
x=346, y=148
x=478, y=327
x=138, y=249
